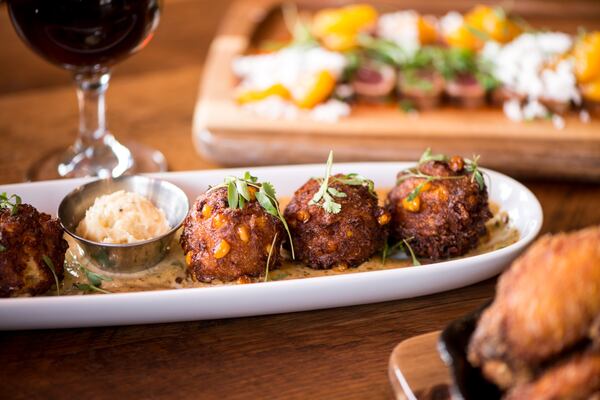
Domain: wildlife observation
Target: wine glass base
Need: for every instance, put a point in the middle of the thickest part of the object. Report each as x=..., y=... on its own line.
x=145, y=159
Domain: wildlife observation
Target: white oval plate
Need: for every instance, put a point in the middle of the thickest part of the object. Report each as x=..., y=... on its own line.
x=270, y=297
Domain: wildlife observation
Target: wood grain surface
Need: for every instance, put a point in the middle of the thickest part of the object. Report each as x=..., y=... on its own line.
x=415, y=368
x=337, y=353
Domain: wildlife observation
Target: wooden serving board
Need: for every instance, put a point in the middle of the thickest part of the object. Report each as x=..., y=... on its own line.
x=225, y=133
x=416, y=370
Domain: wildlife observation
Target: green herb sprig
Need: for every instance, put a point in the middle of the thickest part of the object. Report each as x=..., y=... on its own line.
x=383, y=50
x=50, y=265
x=238, y=194
x=11, y=202
x=402, y=246
x=429, y=156
x=476, y=174
x=269, y=257
x=407, y=106
x=94, y=281
x=471, y=166
x=354, y=179
x=299, y=29
x=326, y=194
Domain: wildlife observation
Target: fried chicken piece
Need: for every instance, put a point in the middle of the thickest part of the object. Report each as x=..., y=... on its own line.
x=546, y=303
x=577, y=378
x=27, y=237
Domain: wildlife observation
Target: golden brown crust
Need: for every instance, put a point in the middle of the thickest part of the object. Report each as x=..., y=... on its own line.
x=545, y=303
x=26, y=238
x=451, y=217
x=324, y=240
x=203, y=233
x=577, y=378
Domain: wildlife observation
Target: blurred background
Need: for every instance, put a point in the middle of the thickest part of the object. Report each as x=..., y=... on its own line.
x=153, y=93
x=188, y=26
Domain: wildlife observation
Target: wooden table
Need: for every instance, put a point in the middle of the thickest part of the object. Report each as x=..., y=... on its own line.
x=339, y=353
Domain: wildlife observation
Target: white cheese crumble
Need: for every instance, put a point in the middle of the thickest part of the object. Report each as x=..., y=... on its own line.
x=529, y=67
x=534, y=109
x=402, y=28
x=512, y=110
x=558, y=122
x=450, y=22
x=331, y=111
x=584, y=116
x=522, y=66
x=276, y=108
x=273, y=108
x=288, y=66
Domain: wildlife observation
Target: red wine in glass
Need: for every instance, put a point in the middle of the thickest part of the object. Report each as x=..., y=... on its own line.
x=87, y=37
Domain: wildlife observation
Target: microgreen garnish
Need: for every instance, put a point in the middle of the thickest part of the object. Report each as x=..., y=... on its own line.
x=90, y=288
x=407, y=106
x=428, y=156
x=94, y=279
x=355, y=179
x=11, y=202
x=412, y=80
x=299, y=29
x=2, y=248
x=383, y=50
x=353, y=62
x=243, y=190
x=50, y=265
x=325, y=195
x=414, y=259
x=471, y=166
x=402, y=246
x=269, y=257
x=478, y=33
x=417, y=190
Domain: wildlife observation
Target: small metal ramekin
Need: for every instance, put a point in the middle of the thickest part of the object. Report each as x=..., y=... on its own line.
x=129, y=257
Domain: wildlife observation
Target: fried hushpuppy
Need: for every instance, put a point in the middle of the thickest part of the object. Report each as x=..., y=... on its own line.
x=225, y=243
x=577, y=378
x=547, y=302
x=439, y=207
x=31, y=245
x=344, y=237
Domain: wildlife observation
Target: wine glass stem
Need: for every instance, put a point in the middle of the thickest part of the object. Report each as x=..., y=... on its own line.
x=92, y=120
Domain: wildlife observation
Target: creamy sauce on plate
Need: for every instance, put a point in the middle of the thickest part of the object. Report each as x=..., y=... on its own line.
x=171, y=272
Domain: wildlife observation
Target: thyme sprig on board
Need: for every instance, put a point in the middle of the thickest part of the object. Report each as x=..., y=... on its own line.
x=11, y=202
x=245, y=189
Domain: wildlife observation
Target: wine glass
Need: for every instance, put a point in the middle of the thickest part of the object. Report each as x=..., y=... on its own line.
x=87, y=37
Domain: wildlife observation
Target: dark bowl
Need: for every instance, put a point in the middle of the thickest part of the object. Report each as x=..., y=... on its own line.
x=469, y=383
